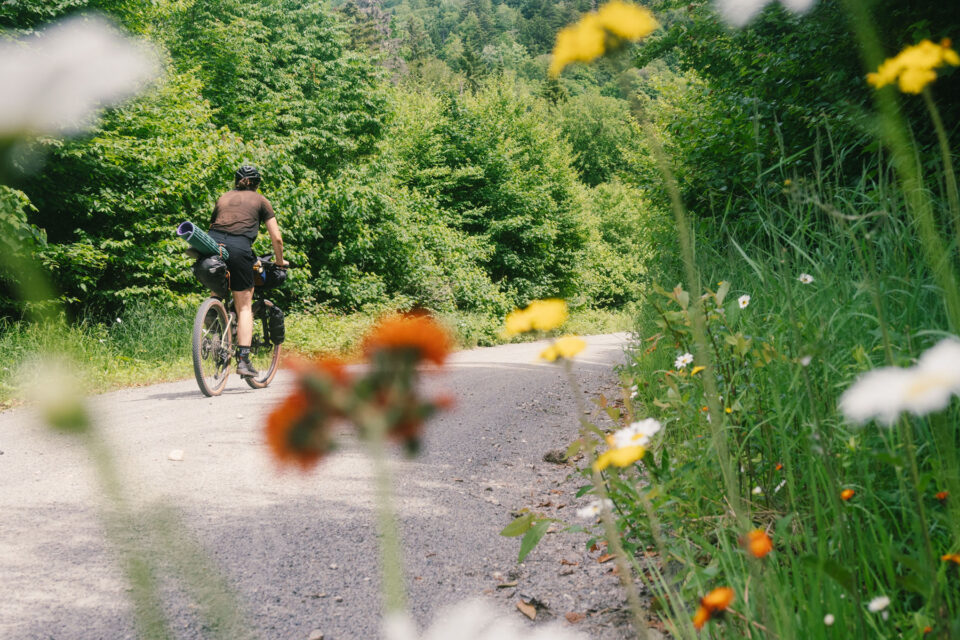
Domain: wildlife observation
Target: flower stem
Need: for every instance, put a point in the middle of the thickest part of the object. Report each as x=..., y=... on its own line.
x=697, y=321
x=949, y=176
x=612, y=535
x=391, y=552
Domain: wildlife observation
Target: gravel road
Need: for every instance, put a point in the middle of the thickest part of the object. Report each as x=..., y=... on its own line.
x=300, y=550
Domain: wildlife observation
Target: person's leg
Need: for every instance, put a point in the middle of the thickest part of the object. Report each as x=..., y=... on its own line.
x=243, y=303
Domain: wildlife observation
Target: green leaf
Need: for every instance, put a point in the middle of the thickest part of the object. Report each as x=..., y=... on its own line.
x=532, y=537
x=722, y=292
x=518, y=526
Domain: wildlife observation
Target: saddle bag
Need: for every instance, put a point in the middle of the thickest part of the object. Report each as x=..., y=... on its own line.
x=212, y=273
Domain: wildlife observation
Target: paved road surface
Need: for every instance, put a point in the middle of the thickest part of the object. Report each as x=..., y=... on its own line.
x=299, y=550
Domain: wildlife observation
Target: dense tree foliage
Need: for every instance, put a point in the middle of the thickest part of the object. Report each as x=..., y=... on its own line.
x=417, y=153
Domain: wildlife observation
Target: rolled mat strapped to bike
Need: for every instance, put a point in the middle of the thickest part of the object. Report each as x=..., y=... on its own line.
x=199, y=240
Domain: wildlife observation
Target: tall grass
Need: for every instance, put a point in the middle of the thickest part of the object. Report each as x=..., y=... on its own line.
x=780, y=365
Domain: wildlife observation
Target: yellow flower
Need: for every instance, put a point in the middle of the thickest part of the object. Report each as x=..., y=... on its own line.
x=587, y=40
x=913, y=68
x=622, y=457
x=542, y=315
x=696, y=370
x=627, y=21
x=565, y=347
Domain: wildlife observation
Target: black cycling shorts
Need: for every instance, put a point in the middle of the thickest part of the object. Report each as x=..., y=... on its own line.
x=240, y=261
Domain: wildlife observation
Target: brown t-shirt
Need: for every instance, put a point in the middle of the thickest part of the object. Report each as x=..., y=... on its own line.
x=241, y=213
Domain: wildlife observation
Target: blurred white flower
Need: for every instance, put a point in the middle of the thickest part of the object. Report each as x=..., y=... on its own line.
x=806, y=360
x=53, y=83
x=682, y=360
x=743, y=301
x=828, y=619
x=472, y=620
x=740, y=12
x=637, y=434
x=757, y=491
x=805, y=278
x=883, y=394
x=53, y=385
x=634, y=391
x=592, y=510
x=878, y=604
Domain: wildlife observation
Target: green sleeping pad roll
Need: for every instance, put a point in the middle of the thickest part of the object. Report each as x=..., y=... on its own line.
x=199, y=240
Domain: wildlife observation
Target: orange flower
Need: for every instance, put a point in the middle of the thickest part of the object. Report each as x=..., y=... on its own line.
x=846, y=494
x=712, y=604
x=700, y=617
x=758, y=543
x=415, y=332
x=779, y=466
x=927, y=630
x=951, y=557
x=298, y=430
x=941, y=496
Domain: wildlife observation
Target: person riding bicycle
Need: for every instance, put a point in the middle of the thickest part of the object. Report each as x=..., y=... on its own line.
x=235, y=223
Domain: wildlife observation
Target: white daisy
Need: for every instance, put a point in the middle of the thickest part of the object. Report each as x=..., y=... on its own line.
x=592, y=510
x=883, y=394
x=637, y=434
x=878, y=604
x=828, y=619
x=54, y=82
x=805, y=278
x=757, y=491
x=743, y=301
x=682, y=360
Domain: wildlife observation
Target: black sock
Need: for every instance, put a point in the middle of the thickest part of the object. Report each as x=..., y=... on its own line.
x=243, y=353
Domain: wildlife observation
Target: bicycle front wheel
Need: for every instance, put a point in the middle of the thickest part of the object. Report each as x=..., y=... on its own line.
x=264, y=356
x=212, y=347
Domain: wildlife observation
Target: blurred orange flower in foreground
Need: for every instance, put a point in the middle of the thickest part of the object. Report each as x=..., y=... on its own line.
x=758, y=543
x=419, y=333
x=846, y=494
x=942, y=495
x=712, y=604
x=299, y=428
x=951, y=557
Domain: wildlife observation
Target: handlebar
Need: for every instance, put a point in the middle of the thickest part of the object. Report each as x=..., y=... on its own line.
x=267, y=262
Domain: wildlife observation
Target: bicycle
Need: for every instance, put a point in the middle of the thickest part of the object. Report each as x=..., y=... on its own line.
x=215, y=334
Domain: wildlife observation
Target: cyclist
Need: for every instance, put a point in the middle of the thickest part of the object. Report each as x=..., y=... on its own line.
x=235, y=222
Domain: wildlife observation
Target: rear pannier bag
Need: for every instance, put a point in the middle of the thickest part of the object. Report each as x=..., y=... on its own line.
x=274, y=321
x=212, y=273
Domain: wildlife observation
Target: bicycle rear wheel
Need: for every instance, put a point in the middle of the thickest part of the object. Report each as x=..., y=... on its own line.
x=212, y=347
x=264, y=356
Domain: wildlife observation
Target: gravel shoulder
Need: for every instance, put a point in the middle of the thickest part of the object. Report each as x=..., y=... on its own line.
x=300, y=550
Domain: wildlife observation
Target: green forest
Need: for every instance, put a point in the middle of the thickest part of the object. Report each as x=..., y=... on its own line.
x=780, y=229
x=419, y=156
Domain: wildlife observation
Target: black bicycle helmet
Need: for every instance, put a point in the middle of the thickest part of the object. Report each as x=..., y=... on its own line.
x=249, y=172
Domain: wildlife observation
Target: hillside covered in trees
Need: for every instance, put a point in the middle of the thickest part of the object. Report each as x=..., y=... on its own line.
x=418, y=154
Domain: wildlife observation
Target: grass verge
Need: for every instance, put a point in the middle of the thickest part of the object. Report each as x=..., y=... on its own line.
x=147, y=345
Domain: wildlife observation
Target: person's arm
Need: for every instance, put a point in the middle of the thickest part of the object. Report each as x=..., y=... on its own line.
x=276, y=240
